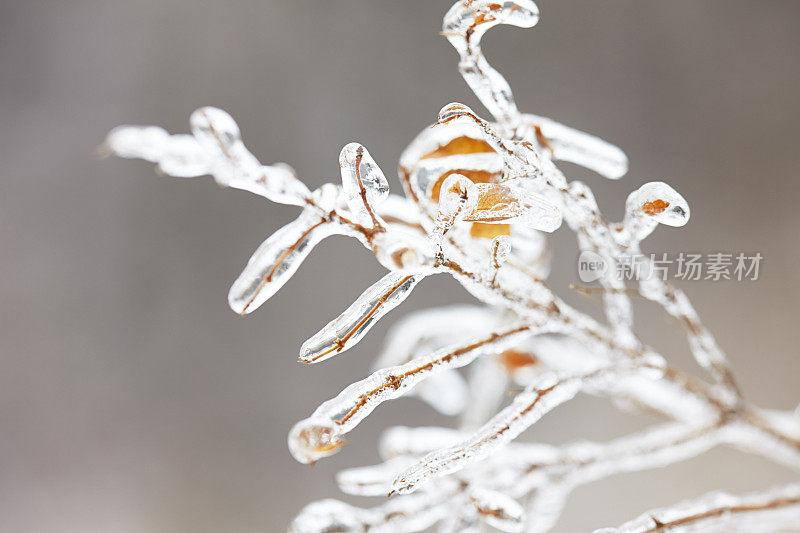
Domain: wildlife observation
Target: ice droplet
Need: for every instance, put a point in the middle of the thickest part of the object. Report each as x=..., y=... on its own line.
x=314, y=438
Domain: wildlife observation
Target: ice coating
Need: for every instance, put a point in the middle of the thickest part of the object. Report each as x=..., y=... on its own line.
x=430, y=330
x=464, y=25
x=509, y=203
x=652, y=204
x=407, y=441
x=568, y=144
x=234, y=166
x=403, y=250
x=363, y=182
x=350, y=327
x=527, y=407
x=215, y=148
x=314, y=438
x=275, y=261
x=498, y=510
x=375, y=480
x=479, y=195
x=358, y=400
x=501, y=249
x=395, y=516
x=768, y=511
x=459, y=196
x=176, y=155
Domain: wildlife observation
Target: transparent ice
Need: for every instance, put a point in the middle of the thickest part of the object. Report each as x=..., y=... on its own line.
x=479, y=198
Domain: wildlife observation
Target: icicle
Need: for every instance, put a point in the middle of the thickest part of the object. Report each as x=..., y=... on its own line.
x=346, y=330
x=276, y=260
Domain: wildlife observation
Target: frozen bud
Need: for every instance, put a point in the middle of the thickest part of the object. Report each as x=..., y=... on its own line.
x=313, y=439
x=458, y=195
x=501, y=249
x=660, y=202
x=498, y=510
x=363, y=182
x=473, y=17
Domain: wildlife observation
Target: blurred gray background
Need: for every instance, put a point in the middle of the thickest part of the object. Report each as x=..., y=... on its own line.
x=133, y=400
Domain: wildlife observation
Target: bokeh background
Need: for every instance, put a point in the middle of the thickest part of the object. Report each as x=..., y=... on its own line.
x=133, y=400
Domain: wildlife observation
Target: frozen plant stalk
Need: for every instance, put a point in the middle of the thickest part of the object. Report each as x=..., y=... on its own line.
x=480, y=196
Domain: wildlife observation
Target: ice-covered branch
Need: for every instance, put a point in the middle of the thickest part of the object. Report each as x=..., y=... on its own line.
x=480, y=198
x=320, y=434
x=769, y=511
